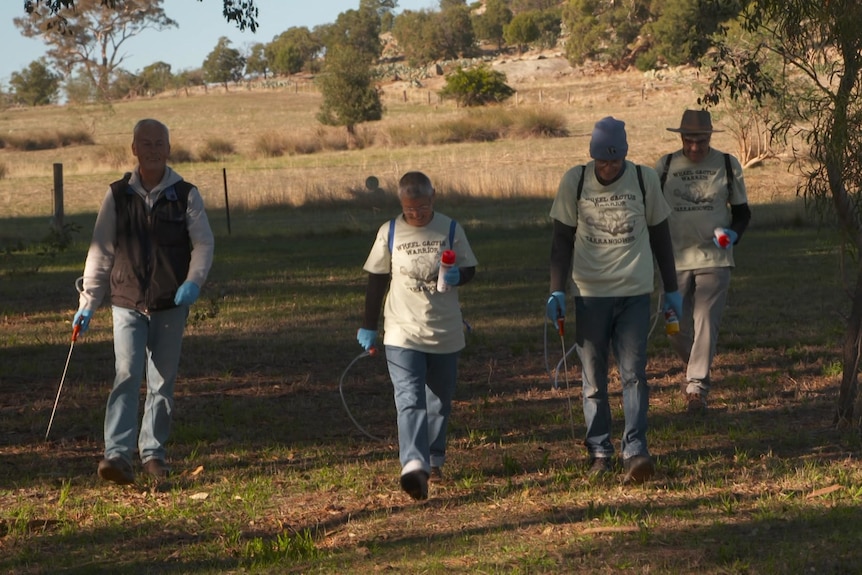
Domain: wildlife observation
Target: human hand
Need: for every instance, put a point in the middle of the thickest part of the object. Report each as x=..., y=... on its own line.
x=452, y=276
x=187, y=294
x=366, y=338
x=725, y=242
x=556, y=306
x=82, y=318
x=673, y=301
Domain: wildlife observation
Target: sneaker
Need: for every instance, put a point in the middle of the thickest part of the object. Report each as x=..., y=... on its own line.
x=696, y=403
x=157, y=468
x=599, y=466
x=638, y=469
x=415, y=484
x=116, y=470
x=436, y=475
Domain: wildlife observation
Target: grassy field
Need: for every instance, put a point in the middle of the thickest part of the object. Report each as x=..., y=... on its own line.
x=271, y=475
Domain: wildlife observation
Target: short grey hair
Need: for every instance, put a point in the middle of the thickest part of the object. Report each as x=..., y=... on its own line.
x=415, y=185
x=150, y=122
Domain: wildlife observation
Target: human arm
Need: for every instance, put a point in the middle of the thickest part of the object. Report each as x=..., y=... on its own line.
x=201, y=237
x=562, y=248
x=740, y=215
x=375, y=291
x=100, y=260
x=662, y=249
x=459, y=276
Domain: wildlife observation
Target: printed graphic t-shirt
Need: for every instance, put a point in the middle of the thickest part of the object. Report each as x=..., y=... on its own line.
x=698, y=195
x=612, y=256
x=415, y=315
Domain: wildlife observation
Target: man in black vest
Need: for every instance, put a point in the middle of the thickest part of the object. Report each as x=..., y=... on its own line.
x=152, y=248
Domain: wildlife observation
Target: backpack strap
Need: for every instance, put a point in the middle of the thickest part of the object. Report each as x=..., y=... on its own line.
x=640, y=182
x=664, y=172
x=729, y=173
x=391, y=234
x=581, y=182
x=452, y=225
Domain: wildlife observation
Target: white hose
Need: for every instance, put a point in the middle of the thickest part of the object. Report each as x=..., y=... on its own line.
x=344, y=401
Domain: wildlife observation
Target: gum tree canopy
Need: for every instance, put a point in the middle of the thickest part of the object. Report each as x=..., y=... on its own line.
x=243, y=13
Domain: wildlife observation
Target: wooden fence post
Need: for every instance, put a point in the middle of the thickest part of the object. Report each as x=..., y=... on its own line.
x=57, y=219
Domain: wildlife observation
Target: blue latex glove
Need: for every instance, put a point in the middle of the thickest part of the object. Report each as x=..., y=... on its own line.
x=187, y=294
x=732, y=235
x=556, y=306
x=366, y=338
x=673, y=300
x=82, y=318
x=452, y=276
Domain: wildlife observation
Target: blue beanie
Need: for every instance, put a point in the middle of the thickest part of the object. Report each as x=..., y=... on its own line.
x=609, y=140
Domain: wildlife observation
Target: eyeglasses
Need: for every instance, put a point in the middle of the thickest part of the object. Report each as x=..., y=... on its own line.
x=695, y=141
x=418, y=210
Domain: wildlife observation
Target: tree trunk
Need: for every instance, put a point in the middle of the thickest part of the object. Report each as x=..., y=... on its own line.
x=848, y=393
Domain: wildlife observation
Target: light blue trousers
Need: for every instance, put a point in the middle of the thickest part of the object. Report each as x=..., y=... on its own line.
x=704, y=295
x=621, y=324
x=424, y=384
x=151, y=344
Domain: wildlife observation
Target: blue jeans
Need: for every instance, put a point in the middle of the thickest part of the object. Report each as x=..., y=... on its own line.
x=621, y=324
x=143, y=342
x=424, y=384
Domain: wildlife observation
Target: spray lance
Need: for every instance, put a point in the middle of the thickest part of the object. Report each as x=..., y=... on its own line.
x=76, y=331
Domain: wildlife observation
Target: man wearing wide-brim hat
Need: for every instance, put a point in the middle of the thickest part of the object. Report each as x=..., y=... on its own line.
x=706, y=191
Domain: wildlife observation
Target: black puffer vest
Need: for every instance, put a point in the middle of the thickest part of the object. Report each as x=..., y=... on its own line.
x=152, y=251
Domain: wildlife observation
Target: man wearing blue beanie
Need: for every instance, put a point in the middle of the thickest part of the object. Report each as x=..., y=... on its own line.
x=610, y=220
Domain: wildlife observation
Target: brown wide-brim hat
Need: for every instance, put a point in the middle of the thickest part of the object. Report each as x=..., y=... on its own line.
x=695, y=122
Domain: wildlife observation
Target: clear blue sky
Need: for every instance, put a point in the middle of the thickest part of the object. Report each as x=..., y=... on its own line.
x=201, y=24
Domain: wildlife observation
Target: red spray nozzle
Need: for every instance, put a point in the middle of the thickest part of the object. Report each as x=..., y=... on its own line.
x=448, y=257
x=561, y=326
x=76, y=331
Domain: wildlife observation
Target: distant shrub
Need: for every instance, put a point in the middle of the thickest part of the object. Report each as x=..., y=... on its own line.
x=269, y=145
x=216, y=149
x=116, y=155
x=540, y=123
x=468, y=129
x=46, y=140
x=3, y=170
x=477, y=86
x=181, y=155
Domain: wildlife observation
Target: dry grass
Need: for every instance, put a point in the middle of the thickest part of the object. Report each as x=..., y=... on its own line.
x=283, y=155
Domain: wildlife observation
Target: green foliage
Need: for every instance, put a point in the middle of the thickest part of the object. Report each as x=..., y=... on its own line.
x=96, y=34
x=602, y=29
x=285, y=547
x=522, y=30
x=477, y=87
x=80, y=89
x=454, y=34
x=257, y=61
x=491, y=23
x=35, y=85
x=293, y=50
x=349, y=98
x=224, y=64
x=681, y=32
x=356, y=30
x=156, y=78
x=416, y=34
